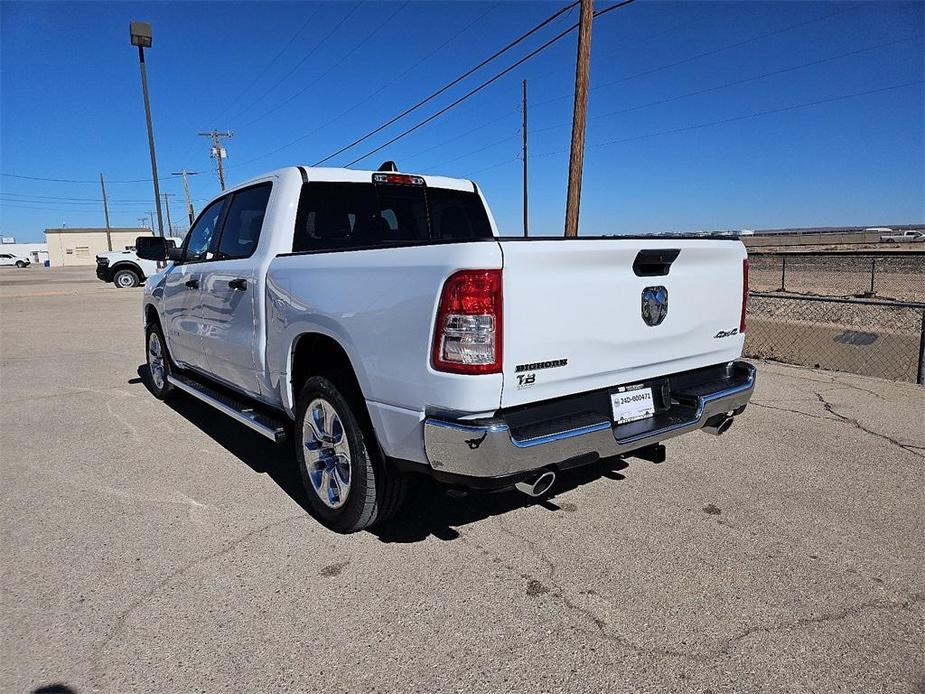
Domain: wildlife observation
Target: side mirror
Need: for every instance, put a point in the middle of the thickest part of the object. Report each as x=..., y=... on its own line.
x=151, y=247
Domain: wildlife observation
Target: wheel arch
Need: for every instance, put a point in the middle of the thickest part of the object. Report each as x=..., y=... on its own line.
x=313, y=353
x=128, y=265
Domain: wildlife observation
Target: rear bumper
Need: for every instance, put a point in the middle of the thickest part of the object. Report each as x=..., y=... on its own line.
x=494, y=449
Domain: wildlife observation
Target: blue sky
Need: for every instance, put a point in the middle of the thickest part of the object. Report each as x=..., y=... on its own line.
x=674, y=142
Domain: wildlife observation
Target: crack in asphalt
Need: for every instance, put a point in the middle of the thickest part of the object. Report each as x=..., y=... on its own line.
x=787, y=409
x=138, y=602
x=856, y=423
x=728, y=644
x=832, y=382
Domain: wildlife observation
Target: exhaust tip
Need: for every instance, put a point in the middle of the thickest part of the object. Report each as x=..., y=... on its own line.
x=539, y=486
x=718, y=425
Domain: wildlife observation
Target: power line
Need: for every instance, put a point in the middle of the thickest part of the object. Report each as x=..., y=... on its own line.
x=71, y=180
x=270, y=64
x=706, y=54
x=452, y=83
x=324, y=74
x=299, y=64
x=484, y=84
x=52, y=197
x=480, y=126
x=746, y=116
x=735, y=83
x=370, y=96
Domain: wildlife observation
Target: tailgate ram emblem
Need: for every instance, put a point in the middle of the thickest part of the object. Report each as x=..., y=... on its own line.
x=654, y=305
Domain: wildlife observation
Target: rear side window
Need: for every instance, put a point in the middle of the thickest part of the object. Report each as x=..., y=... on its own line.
x=243, y=222
x=341, y=216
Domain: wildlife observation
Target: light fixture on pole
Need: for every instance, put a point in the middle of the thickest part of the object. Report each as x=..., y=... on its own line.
x=141, y=37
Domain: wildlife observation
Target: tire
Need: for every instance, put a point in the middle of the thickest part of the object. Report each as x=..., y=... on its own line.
x=124, y=278
x=20, y=264
x=345, y=479
x=158, y=359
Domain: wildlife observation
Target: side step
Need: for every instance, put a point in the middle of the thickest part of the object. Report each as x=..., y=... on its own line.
x=260, y=422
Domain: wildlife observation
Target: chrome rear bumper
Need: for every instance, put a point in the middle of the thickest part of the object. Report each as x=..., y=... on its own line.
x=491, y=449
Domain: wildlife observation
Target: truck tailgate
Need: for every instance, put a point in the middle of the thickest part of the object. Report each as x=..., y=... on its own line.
x=573, y=312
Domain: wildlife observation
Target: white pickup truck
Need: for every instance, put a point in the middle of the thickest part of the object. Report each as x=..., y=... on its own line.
x=124, y=268
x=380, y=321
x=910, y=236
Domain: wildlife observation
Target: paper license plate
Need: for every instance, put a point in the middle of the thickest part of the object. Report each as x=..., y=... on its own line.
x=632, y=405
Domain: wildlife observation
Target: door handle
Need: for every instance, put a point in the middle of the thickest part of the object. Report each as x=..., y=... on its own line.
x=192, y=283
x=240, y=284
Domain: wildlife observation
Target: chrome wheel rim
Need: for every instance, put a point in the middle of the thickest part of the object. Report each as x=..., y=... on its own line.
x=327, y=455
x=156, y=361
x=125, y=280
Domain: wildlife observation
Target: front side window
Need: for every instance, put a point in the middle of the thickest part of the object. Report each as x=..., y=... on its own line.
x=243, y=222
x=200, y=236
x=335, y=216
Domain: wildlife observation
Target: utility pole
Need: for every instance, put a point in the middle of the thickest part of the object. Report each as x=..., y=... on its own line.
x=579, y=116
x=106, y=213
x=167, y=207
x=526, y=214
x=189, y=200
x=143, y=221
x=141, y=37
x=218, y=152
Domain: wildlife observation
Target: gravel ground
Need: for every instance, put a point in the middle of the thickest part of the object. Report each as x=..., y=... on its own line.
x=158, y=548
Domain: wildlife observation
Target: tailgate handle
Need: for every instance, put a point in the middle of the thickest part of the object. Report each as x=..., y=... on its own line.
x=655, y=262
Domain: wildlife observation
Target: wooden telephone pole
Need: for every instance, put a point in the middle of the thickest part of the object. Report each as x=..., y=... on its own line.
x=189, y=200
x=106, y=213
x=167, y=207
x=218, y=152
x=579, y=118
x=526, y=213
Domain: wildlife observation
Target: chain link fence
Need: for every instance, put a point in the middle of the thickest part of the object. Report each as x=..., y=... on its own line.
x=863, y=336
x=898, y=276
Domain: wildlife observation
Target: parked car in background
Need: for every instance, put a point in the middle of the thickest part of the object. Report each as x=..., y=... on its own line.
x=11, y=259
x=903, y=237
x=125, y=269
x=381, y=322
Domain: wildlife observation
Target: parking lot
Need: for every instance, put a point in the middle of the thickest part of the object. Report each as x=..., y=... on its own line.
x=160, y=548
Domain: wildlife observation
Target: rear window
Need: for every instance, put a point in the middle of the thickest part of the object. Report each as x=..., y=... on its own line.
x=341, y=216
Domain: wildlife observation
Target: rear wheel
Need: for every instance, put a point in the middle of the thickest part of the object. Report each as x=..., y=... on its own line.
x=125, y=278
x=20, y=264
x=345, y=479
x=158, y=362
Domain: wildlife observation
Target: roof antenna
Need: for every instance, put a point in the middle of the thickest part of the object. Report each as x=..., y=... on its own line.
x=387, y=166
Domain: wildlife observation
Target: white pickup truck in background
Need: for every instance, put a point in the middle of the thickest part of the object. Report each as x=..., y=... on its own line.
x=124, y=268
x=380, y=321
x=909, y=236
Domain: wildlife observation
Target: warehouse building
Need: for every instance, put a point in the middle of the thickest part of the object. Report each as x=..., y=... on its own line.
x=80, y=246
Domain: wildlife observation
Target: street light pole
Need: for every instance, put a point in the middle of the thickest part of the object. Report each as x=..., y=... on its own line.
x=141, y=37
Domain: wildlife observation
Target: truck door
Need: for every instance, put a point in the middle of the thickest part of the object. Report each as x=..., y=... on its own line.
x=230, y=291
x=183, y=290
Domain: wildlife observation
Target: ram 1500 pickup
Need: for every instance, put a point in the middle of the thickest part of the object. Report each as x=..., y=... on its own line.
x=380, y=321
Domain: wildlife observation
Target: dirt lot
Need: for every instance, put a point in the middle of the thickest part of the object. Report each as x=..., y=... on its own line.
x=158, y=548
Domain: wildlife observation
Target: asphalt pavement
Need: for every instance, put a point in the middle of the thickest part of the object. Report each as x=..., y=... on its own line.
x=164, y=548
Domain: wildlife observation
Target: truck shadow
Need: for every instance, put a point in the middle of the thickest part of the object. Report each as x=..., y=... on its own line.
x=428, y=511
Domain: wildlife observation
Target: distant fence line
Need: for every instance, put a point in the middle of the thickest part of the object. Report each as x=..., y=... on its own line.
x=812, y=238
x=899, y=275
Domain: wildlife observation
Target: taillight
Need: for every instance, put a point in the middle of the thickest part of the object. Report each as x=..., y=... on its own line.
x=744, y=294
x=467, y=334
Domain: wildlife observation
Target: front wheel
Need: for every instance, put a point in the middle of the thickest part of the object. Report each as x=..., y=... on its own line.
x=158, y=362
x=125, y=279
x=347, y=483
x=20, y=264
